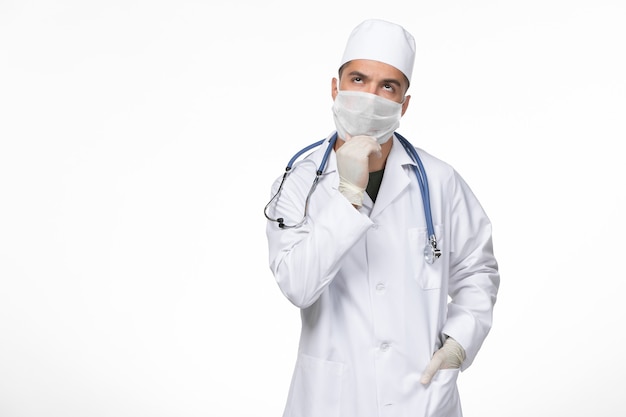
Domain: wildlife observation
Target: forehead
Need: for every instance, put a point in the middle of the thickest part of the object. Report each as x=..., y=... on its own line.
x=374, y=69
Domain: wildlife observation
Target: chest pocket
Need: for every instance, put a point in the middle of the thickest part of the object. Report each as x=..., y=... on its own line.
x=428, y=276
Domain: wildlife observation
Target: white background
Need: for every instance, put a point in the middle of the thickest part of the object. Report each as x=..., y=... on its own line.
x=138, y=142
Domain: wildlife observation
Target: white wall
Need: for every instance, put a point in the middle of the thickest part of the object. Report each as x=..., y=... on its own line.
x=138, y=141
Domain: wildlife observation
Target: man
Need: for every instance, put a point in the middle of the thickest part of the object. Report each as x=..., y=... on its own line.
x=385, y=331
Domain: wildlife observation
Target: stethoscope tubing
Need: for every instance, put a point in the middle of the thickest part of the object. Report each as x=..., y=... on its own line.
x=422, y=180
x=431, y=252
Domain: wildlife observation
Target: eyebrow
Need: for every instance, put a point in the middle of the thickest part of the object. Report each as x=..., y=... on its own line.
x=386, y=81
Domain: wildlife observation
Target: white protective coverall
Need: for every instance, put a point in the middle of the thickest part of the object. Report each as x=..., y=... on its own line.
x=373, y=311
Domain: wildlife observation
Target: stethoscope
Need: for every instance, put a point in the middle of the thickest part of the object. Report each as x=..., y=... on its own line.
x=431, y=251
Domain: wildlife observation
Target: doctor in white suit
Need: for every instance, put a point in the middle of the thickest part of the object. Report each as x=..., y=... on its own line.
x=384, y=332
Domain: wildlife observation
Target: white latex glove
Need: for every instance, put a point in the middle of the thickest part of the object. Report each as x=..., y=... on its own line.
x=450, y=356
x=353, y=166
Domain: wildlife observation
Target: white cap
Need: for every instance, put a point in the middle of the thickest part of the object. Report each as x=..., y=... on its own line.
x=382, y=41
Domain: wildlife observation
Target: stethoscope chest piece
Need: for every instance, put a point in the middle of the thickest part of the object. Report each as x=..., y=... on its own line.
x=431, y=252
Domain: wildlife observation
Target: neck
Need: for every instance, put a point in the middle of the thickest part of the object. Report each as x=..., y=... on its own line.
x=376, y=163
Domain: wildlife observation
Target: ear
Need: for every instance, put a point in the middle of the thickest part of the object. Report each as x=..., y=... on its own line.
x=405, y=105
x=334, y=90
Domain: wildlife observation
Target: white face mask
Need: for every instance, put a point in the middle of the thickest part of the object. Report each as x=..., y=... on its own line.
x=358, y=113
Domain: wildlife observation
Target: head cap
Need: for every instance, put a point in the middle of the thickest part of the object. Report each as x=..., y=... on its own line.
x=382, y=41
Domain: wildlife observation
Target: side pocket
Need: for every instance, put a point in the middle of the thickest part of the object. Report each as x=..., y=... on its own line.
x=444, y=394
x=429, y=276
x=315, y=388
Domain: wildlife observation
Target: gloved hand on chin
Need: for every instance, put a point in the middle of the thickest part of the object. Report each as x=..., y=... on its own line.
x=353, y=166
x=450, y=356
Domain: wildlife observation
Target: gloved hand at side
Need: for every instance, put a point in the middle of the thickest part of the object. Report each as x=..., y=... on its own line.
x=353, y=166
x=450, y=356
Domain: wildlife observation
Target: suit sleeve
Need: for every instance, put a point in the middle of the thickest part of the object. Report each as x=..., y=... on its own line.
x=304, y=260
x=474, y=277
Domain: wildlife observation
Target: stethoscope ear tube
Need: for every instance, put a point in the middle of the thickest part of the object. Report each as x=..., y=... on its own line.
x=318, y=173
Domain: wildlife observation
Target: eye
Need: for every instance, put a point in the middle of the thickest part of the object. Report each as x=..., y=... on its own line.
x=357, y=80
x=389, y=88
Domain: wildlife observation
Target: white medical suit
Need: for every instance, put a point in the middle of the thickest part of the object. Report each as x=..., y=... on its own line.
x=373, y=311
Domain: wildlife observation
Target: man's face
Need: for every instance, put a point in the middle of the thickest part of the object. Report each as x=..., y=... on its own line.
x=373, y=77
